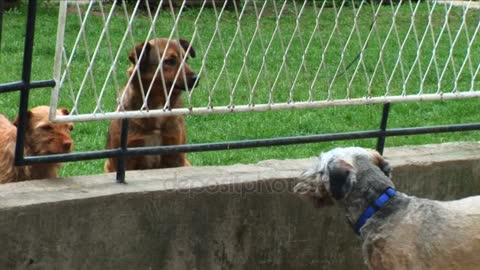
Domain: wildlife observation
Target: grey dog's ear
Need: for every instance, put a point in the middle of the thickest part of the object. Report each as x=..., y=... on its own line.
x=312, y=189
x=382, y=163
x=386, y=168
x=341, y=177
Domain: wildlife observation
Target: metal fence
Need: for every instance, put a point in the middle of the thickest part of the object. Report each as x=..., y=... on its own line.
x=272, y=55
x=299, y=54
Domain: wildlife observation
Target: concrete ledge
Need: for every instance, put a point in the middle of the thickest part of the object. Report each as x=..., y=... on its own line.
x=226, y=217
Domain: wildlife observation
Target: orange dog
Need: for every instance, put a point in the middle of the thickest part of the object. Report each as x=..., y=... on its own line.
x=41, y=138
x=155, y=131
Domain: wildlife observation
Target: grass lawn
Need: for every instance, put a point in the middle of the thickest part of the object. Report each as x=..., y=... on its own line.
x=225, y=127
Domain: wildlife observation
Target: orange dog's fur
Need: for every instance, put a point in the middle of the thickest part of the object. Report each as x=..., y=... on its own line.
x=41, y=138
x=154, y=131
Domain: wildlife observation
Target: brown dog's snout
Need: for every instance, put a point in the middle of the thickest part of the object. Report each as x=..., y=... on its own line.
x=188, y=83
x=67, y=145
x=193, y=81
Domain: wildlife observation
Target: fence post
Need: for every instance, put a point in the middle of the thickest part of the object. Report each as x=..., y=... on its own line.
x=383, y=128
x=123, y=148
x=26, y=81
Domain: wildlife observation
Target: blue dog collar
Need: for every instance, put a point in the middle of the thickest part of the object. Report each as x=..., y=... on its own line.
x=373, y=208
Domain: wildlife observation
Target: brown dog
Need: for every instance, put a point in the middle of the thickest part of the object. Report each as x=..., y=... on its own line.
x=41, y=138
x=155, y=131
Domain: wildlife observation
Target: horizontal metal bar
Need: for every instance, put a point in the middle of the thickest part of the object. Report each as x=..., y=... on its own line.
x=184, y=148
x=110, y=153
x=266, y=107
x=431, y=130
x=15, y=86
x=202, y=147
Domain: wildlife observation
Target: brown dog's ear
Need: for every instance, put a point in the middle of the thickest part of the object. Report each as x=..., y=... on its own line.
x=136, y=141
x=17, y=119
x=64, y=111
x=134, y=53
x=184, y=43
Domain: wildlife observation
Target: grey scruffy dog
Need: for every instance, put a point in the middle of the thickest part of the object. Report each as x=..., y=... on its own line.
x=398, y=231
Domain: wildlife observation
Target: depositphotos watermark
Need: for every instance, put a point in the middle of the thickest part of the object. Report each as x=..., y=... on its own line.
x=230, y=185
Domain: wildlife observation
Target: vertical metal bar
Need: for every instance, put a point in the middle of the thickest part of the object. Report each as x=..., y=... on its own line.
x=123, y=148
x=383, y=128
x=26, y=76
x=62, y=21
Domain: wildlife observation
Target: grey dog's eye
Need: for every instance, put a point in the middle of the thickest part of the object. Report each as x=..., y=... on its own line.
x=322, y=172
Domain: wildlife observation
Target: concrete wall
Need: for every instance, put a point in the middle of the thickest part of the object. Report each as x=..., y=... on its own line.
x=232, y=217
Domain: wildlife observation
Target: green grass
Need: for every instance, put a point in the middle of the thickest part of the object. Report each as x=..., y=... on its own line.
x=225, y=127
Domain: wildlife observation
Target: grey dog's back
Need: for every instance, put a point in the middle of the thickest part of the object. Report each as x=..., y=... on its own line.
x=450, y=230
x=470, y=206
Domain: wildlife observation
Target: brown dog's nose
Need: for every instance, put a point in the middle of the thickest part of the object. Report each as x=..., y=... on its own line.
x=67, y=145
x=193, y=82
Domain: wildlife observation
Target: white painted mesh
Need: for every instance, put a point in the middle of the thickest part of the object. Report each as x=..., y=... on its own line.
x=269, y=55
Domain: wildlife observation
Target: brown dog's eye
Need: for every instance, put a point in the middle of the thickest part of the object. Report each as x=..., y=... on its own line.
x=46, y=128
x=170, y=61
x=70, y=127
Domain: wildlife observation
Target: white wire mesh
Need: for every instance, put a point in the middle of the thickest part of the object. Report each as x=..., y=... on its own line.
x=269, y=55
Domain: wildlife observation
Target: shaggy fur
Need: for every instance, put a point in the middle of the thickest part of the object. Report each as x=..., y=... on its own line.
x=155, y=131
x=41, y=138
x=408, y=232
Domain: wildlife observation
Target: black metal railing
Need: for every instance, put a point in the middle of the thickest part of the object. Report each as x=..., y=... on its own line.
x=25, y=85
